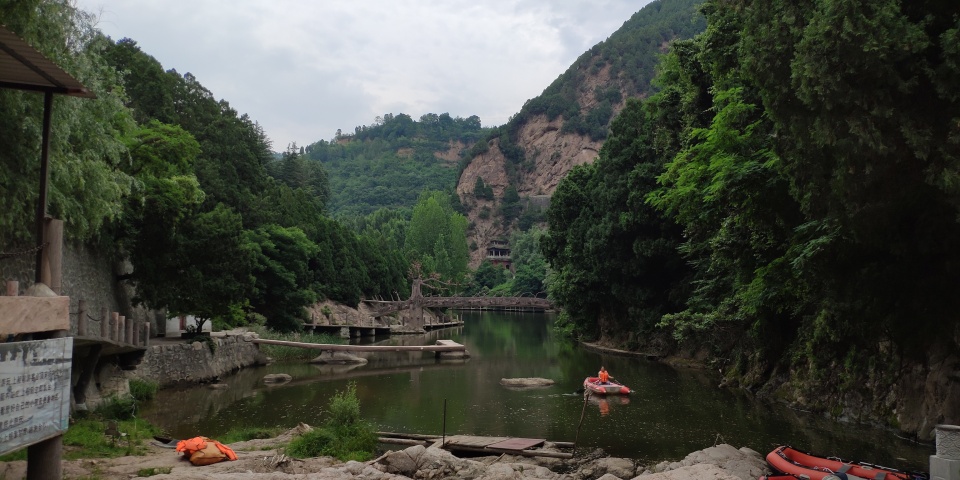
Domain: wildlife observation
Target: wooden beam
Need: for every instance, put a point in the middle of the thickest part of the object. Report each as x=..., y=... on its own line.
x=404, y=441
x=362, y=348
x=416, y=436
x=34, y=314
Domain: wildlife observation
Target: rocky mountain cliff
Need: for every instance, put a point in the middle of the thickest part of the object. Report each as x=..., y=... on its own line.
x=566, y=125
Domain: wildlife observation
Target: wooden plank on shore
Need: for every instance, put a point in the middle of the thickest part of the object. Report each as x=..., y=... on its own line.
x=518, y=443
x=472, y=441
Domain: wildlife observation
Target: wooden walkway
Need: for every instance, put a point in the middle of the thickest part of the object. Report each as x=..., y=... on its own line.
x=442, y=347
x=527, y=447
x=352, y=331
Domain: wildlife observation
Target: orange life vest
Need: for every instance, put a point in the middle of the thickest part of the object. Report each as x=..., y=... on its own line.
x=204, y=451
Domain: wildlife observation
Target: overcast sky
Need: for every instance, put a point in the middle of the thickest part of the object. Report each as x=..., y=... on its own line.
x=303, y=69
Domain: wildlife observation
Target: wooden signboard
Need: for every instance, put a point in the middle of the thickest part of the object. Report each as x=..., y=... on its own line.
x=34, y=391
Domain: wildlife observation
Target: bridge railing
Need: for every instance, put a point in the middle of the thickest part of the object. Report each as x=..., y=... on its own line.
x=110, y=326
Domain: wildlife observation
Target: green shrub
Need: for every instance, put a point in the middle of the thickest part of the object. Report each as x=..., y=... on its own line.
x=117, y=408
x=143, y=390
x=345, y=435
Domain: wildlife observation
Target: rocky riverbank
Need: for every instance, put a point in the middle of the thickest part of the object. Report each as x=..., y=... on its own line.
x=264, y=460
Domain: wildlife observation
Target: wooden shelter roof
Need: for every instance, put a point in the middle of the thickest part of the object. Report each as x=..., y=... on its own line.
x=22, y=67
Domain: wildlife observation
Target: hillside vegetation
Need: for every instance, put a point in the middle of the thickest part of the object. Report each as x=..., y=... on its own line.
x=389, y=163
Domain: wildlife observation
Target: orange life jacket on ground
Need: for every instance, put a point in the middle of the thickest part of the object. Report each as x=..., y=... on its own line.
x=204, y=451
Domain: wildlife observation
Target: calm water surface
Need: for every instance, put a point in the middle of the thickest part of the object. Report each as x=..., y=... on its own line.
x=670, y=413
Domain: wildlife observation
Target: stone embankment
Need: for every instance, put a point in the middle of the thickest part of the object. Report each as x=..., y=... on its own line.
x=176, y=361
x=170, y=362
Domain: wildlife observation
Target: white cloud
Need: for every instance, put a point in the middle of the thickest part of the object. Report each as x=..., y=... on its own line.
x=304, y=69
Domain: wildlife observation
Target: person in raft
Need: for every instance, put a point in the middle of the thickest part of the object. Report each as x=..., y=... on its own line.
x=603, y=376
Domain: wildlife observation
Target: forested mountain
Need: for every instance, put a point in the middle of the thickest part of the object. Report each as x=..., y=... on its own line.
x=389, y=163
x=787, y=206
x=567, y=124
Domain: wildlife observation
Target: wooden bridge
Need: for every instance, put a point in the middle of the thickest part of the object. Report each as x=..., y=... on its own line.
x=385, y=307
x=418, y=301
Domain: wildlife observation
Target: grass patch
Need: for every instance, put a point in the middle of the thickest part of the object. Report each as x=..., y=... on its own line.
x=149, y=472
x=14, y=456
x=243, y=434
x=345, y=435
x=87, y=438
x=281, y=353
x=112, y=430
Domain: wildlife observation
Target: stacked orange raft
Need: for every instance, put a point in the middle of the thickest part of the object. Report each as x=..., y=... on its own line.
x=793, y=463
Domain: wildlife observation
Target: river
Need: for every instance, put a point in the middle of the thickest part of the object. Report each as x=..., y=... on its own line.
x=670, y=413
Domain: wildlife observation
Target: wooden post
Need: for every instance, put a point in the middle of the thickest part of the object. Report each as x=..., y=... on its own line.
x=127, y=329
x=146, y=333
x=82, y=318
x=42, y=197
x=115, y=326
x=13, y=288
x=51, y=272
x=104, y=323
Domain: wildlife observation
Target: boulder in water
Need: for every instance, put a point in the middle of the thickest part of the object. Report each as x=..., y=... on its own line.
x=531, y=382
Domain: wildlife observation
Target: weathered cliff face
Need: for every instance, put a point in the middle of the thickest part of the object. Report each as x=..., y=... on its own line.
x=926, y=395
x=484, y=225
x=549, y=155
x=452, y=154
x=552, y=153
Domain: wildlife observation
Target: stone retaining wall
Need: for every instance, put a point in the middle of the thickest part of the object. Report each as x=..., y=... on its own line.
x=171, y=363
x=89, y=274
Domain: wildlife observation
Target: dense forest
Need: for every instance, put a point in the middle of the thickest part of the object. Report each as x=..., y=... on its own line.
x=788, y=201
x=387, y=164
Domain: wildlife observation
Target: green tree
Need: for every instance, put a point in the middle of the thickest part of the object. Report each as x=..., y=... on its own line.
x=206, y=272
x=487, y=276
x=280, y=264
x=437, y=236
x=615, y=260
x=528, y=262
